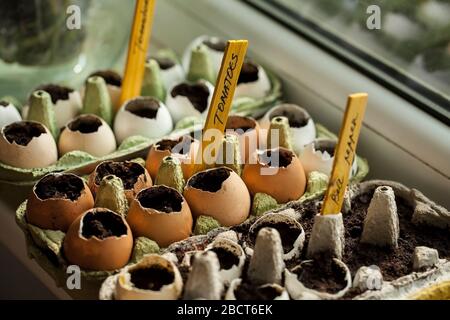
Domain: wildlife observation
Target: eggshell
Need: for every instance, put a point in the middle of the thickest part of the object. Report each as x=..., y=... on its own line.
x=113, y=84
x=162, y=214
x=231, y=248
x=66, y=101
x=215, y=47
x=171, y=71
x=253, y=82
x=284, y=183
x=315, y=157
x=117, y=168
x=302, y=128
x=127, y=290
x=160, y=150
x=144, y=116
x=228, y=200
x=181, y=107
x=8, y=114
x=96, y=253
x=39, y=152
x=87, y=133
x=248, y=135
x=48, y=210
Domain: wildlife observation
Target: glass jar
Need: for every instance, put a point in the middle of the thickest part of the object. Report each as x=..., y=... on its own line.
x=60, y=41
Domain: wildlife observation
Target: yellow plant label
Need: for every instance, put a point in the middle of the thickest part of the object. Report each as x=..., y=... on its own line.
x=137, y=50
x=221, y=101
x=345, y=153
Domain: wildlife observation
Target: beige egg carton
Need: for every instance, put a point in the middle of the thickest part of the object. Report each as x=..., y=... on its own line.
x=273, y=269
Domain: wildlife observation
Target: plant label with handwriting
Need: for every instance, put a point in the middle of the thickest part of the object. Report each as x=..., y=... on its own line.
x=221, y=102
x=345, y=153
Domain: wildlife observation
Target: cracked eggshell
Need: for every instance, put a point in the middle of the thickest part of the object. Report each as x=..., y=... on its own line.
x=215, y=48
x=298, y=291
x=127, y=290
x=219, y=193
x=175, y=148
x=58, y=209
x=232, y=248
x=87, y=133
x=271, y=220
x=301, y=125
x=253, y=82
x=248, y=137
x=282, y=293
x=8, y=114
x=160, y=213
x=67, y=103
x=144, y=116
x=121, y=169
x=285, y=182
x=319, y=156
x=85, y=248
x=27, y=144
x=189, y=99
x=171, y=71
x=113, y=82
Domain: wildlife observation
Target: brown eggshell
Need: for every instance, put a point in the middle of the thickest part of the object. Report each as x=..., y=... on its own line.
x=93, y=253
x=143, y=181
x=287, y=184
x=249, y=140
x=57, y=212
x=156, y=155
x=230, y=205
x=39, y=152
x=162, y=227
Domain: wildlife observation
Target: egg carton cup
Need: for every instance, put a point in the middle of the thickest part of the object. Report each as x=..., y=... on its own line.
x=45, y=247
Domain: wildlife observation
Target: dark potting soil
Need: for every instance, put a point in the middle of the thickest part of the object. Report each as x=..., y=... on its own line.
x=111, y=77
x=56, y=92
x=65, y=186
x=128, y=172
x=288, y=233
x=394, y=263
x=161, y=198
x=143, y=107
x=4, y=103
x=246, y=291
x=243, y=124
x=215, y=45
x=323, y=275
x=270, y=158
x=23, y=132
x=197, y=94
x=210, y=180
x=181, y=145
x=164, y=63
x=85, y=124
x=249, y=73
x=295, y=121
x=103, y=224
x=227, y=259
x=151, y=278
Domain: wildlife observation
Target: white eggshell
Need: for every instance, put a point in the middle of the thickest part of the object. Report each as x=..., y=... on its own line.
x=300, y=137
x=172, y=75
x=66, y=110
x=214, y=55
x=237, y=282
x=316, y=160
x=38, y=153
x=228, y=275
x=98, y=143
x=128, y=124
x=257, y=89
x=125, y=290
x=8, y=114
x=181, y=107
